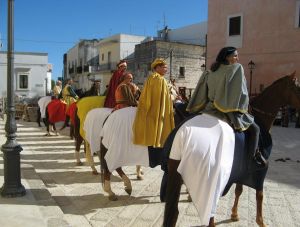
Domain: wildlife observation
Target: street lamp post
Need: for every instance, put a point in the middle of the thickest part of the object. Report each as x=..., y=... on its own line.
x=251, y=66
x=12, y=186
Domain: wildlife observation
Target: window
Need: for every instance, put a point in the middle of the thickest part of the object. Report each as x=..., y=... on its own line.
x=23, y=81
x=181, y=71
x=234, y=26
x=102, y=57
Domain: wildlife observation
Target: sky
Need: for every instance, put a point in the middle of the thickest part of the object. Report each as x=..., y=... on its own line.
x=55, y=26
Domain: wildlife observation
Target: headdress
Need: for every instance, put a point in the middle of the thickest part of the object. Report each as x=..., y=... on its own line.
x=158, y=61
x=122, y=63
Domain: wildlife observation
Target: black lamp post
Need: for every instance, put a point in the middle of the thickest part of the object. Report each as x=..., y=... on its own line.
x=12, y=186
x=251, y=66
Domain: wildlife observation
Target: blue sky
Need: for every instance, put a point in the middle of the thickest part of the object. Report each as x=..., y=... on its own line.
x=54, y=26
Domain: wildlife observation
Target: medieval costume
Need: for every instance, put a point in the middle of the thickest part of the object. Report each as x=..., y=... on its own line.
x=125, y=96
x=224, y=94
x=115, y=80
x=154, y=118
x=69, y=95
x=57, y=89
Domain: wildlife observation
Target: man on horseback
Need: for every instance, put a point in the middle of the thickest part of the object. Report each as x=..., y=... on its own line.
x=68, y=96
x=110, y=100
x=125, y=94
x=57, y=89
x=154, y=117
x=222, y=92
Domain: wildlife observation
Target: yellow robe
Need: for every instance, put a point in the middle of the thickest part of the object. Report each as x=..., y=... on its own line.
x=86, y=104
x=154, y=118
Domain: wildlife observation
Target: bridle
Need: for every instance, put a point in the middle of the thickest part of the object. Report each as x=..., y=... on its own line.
x=273, y=115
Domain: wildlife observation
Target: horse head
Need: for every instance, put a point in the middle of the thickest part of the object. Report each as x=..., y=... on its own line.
x=282, y=92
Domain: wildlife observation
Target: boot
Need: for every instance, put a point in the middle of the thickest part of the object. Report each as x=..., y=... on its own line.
x=258, y=162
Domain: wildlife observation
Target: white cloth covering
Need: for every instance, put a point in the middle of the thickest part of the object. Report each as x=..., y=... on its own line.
x=117, y=138
x=205, y=146
x=43, y=103
x=93, y=125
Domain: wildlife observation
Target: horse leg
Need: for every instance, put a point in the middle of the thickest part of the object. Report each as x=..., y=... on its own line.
x=234, y=210
x=139, y=173
x=173, y=193
x=72, y=131
x=54, y=129
x=105, y=175
x=126, y=180
x=90, y=157
x=259, y=201
x=78, y=142
x=38, y=119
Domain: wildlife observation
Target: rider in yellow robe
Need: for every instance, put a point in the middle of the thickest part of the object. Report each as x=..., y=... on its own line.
x=154, y=118
x=68, y=94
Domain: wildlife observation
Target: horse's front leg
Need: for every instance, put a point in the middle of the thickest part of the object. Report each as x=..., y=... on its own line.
x=78, y=141
x=105, y=174
x=234, y=210
x=259, y=202
x=90, y=158
x=139, y=172
x=126, y=180
x=172, y=194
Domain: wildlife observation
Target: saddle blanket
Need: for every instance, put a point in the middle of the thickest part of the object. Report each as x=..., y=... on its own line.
x=43, y=103
x=205, y=146
x=117, y=138
x=93, y=126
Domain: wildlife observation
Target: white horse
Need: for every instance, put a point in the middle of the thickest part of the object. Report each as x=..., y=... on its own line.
x=119, y=152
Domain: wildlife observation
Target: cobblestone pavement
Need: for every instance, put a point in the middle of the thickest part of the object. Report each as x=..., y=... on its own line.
x=62, y=194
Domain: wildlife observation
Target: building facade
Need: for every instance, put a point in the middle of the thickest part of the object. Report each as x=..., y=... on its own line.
x=80, y=61
x=31, y=71
x=268, y=36
x=184, y=62
x=113, y=49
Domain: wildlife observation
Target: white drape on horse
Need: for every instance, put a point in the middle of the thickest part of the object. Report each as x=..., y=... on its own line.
x=117, y=138
x=43, y=102
x=93, y=126
x=205, y=146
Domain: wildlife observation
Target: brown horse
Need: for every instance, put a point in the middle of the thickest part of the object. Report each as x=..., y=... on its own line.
x=264, y=108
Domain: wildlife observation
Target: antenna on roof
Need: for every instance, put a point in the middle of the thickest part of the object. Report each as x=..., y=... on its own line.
x=164, y=17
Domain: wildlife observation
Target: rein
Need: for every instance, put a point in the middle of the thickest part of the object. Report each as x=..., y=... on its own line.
x=263, y=112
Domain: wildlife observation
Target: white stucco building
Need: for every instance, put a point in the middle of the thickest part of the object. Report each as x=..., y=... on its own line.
x=31, y=71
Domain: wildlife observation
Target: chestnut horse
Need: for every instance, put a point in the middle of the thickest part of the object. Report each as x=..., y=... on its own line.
x=264, y=107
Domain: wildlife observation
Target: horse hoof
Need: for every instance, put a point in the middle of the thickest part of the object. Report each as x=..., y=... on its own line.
x=139, y=177
x=189, y=198
x=113, y=197
x=234, y=217
x=79, y=163
x=95, y=172
x=128, y=190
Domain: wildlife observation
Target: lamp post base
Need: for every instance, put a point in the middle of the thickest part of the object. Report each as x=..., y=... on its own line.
x=12, y=186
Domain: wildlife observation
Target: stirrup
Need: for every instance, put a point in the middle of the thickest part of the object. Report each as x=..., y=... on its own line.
x=260, y=159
